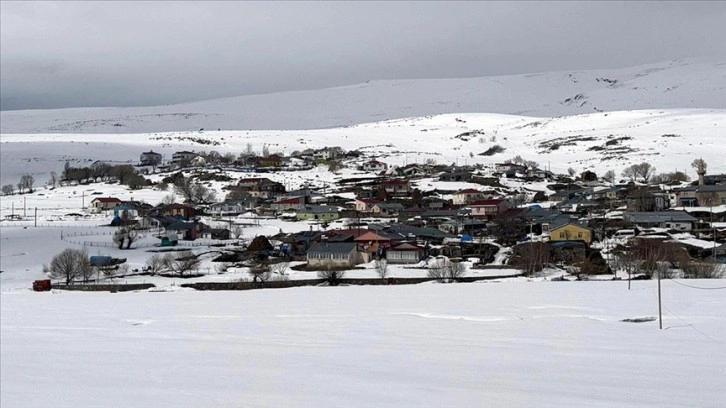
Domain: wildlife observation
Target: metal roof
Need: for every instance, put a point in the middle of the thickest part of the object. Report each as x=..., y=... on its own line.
x=332, y=247
x=657, y=217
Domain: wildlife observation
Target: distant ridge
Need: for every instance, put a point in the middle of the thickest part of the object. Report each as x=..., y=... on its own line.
x=677, y=84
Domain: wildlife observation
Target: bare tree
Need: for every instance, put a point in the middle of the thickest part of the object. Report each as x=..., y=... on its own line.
x=247, y=153
x=155, y=265
x=53, y=180
x=331, y=275
x=700, y=166
x=202, y=194
x=259, y=272
x=706, y=269
x=169, y=199
x=381, y=266
x=227, y=158
x=68, y=265
x=446, y=271
x=279, y=268
x=644, y=170
x=27, y=181
x=111, y=272
x=531, y=164
x=184, y=187
x=181, y=263
x=128, y=235
x=531, y=257
x=265, y=151
x=630, y=173
x=222, y=267
x=609, y=176
x=8, y=189
x=571, y=171
x=334, y=166
x=237, y=231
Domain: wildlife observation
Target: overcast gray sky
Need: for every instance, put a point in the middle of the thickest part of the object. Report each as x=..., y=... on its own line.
x=68, y=54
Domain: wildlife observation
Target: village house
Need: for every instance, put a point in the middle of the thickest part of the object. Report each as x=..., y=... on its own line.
x=539, y=173
x=676, y=220
x=397, y=187
x=184, y=230
x=365, y=205
x=215, y=233
x=261, y=187
x=704, y=195
x=318, y=213
x=373, y=243
x=576, y=204
x=719, y=253
x=641, y=199
x=489, y=208
x=387, y=209
x=462, y=176
x=234, y=207
x=509, y=168
x=609, y=193
x=570, y=192
x=405, y=253
x=183, y=157
x=571, y=232
x=290, y=204
x=327, y=153
x=408, y=170
x=150, y=158
x=130, y=209
x=272, y=160
x=374, y=166
x=410, y=233
x=180, y=211
x=467, y=196
x=99, y=204
x=333, y=255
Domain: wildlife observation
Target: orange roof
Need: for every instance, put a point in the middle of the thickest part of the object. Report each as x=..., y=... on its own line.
x=371, y=236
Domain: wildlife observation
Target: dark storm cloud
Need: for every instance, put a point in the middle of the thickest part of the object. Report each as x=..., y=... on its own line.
x=65, y=54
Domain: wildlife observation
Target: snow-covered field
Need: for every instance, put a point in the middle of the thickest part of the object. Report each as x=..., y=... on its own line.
x=507, y=344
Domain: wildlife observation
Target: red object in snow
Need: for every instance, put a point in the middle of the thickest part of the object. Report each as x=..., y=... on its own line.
x=42, y=285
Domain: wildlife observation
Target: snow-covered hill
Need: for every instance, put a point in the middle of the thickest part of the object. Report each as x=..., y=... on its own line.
x=668, y=139
x=678, y=84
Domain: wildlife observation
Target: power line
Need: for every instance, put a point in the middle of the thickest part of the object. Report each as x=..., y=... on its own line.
x=689, y=324
x=697, y=287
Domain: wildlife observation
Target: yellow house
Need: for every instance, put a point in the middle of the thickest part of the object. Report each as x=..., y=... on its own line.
x=571, y=232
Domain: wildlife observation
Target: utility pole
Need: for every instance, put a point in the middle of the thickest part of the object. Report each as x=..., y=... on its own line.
x=660, y=313
x=24, y=212
x=36, y=216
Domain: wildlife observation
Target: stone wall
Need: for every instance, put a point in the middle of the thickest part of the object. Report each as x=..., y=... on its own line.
x=105, y=287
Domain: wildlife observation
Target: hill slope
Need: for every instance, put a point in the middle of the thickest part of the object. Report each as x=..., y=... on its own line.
x=678, y=84
x=668, y=139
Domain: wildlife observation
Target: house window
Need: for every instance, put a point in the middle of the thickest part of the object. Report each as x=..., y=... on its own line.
x=579, y=235
x=562, y=235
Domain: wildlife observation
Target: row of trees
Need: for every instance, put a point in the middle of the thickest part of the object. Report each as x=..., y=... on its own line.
x=71, y=265
x=99, y=171
x=25, y=185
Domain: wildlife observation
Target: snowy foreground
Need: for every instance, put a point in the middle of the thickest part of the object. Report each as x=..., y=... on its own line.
x=499, y=344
